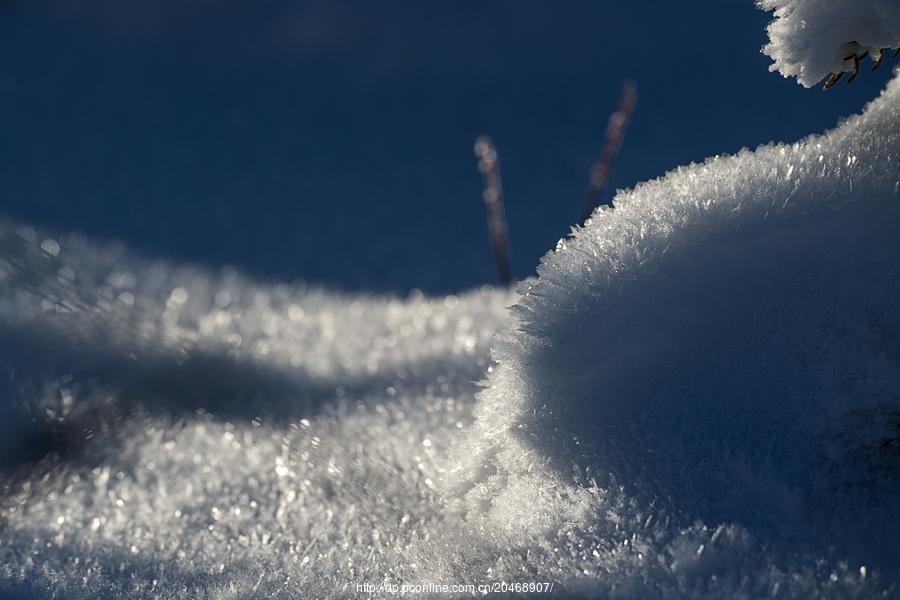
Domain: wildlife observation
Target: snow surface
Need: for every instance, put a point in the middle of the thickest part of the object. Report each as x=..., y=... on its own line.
x=809, y=39
x=224, y=437
x=721, y=350
x=696, y=398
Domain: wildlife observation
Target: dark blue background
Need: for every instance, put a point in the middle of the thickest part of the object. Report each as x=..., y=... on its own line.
x=332, y=141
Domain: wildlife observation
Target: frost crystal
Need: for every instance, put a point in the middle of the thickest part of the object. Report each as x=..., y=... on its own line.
x=809, y=39
x=697, y=398
x=719, y=351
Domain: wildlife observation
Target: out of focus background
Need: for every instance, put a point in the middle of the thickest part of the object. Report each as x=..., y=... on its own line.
x=331, y=141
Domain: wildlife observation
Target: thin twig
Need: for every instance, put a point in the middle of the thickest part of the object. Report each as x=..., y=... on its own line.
x=615, y=133
x=489, y=166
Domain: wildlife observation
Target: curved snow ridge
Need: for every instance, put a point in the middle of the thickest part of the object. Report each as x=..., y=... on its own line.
x=721, y=349
x=99, y=297
x=809, y=39
x=173, y=338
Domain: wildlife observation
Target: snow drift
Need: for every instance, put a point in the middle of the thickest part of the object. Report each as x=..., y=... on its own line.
x=723, y=346
x=696, y=398
x=210, y=436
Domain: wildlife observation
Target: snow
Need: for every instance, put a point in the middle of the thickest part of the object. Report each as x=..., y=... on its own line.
x=223, y=437
x=810, y=39
x=695, y=398
x=719, y=349
x=692, y=401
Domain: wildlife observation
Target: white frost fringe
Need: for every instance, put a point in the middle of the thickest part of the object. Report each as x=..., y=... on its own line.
x=723, y=347
x=809, y=39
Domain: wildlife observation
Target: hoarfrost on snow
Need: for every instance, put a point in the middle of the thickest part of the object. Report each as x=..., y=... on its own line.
x=696, y=398
x=222, y=437
x=809, y=39
x=720, y=350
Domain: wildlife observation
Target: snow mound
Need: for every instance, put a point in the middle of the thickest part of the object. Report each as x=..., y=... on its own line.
x=809, y=39
x=719, y=352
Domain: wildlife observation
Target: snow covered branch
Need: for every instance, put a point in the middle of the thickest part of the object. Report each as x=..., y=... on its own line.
x=810, y=39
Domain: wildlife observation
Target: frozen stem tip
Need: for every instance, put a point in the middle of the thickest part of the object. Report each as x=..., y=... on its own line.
x=856, y=57
x=489, y=167
x=879, y=60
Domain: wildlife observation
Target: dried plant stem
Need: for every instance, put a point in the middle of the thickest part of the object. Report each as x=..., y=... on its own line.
x=615, y=133
x=489, y=166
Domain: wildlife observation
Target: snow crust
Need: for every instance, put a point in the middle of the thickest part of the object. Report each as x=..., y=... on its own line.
x=809, y=39
x=696, y=398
